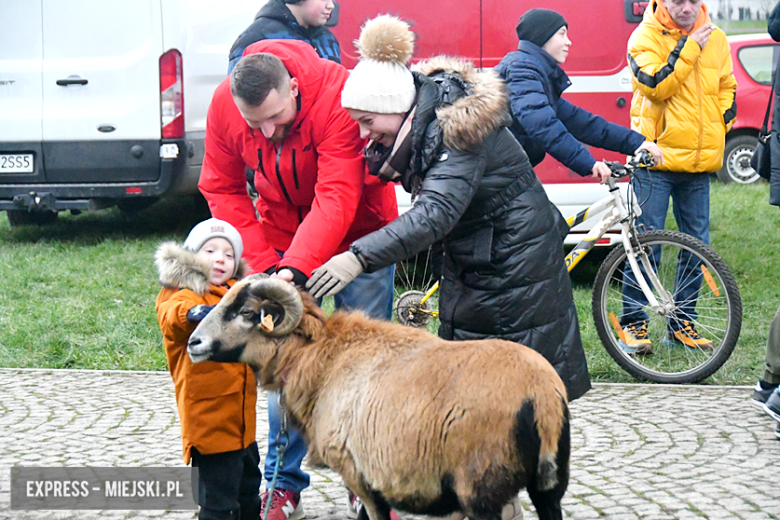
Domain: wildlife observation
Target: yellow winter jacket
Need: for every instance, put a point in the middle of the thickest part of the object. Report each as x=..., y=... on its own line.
x=683, y=94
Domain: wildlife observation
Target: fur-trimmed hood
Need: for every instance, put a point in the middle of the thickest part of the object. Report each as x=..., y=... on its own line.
x=471, y=118
x=182, y=269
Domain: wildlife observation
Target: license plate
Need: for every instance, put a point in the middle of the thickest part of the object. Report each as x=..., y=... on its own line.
x=17, y=163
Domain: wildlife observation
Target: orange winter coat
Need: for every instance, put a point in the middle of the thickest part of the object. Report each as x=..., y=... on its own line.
x=683, y=94
x=216, y=401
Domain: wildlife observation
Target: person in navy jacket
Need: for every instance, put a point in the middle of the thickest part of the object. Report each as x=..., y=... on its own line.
x=543, y=121
x=302, y=20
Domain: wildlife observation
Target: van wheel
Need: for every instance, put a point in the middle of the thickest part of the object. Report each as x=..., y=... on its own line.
x=20, y=217
x=736, y=160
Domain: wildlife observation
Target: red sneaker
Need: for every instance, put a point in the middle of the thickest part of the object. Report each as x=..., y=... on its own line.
x=353, y=505
x=285, y=505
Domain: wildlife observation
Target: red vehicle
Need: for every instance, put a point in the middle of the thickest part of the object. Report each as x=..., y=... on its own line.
x=755, y=58
x=484, y=31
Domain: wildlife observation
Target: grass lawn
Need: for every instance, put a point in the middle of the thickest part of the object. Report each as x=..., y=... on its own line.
x=80, y=293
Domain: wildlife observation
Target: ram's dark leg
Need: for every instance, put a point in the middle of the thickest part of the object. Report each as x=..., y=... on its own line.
x=548, y=502
x=375, y=507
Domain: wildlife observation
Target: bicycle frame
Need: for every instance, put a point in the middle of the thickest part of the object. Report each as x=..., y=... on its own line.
x=618, y=213
x=428, y=294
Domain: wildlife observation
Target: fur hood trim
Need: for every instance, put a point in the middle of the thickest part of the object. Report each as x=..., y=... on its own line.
x=182, y=269
x=473, y=117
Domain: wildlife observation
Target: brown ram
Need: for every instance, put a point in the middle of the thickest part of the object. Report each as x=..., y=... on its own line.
x=408, y=420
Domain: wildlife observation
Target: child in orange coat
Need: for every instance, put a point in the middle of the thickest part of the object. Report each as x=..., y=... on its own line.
x=216, y=401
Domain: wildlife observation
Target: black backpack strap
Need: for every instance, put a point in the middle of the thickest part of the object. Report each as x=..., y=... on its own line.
x=765, y=126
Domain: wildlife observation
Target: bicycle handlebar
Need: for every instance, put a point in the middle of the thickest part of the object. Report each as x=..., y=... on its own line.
x=641, y=160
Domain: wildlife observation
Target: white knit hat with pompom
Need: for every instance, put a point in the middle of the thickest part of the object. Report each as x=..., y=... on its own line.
x=381, y=82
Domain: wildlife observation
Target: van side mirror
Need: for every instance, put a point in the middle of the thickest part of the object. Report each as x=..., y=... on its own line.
x=334, y=15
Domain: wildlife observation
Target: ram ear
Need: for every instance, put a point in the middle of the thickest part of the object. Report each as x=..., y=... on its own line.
x=271, y=316
x=281, y=300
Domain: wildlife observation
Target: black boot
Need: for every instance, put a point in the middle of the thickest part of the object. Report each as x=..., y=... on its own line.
x=216, y=514
x=250, y=508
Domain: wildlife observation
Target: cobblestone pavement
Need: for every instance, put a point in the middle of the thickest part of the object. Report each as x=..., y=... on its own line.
x=639, y=451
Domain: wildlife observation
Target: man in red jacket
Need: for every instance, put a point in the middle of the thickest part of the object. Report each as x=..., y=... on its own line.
x=280, y=114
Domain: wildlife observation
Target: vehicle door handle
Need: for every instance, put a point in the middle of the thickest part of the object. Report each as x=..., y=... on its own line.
x=71, y=81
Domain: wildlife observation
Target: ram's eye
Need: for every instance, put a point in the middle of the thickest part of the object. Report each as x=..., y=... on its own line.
x=247, y=313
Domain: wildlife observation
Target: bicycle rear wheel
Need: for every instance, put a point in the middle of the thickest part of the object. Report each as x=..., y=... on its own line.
x=705, y=297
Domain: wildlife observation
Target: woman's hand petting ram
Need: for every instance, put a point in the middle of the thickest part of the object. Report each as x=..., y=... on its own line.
x=334, y=275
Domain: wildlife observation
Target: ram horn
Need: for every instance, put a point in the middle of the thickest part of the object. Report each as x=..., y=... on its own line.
x=285, y=294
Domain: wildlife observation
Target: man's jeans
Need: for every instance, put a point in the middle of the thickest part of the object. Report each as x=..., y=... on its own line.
x=690, y=193
x=372, y=293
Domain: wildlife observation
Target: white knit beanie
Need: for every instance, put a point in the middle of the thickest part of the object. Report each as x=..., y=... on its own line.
x=381, y=82
x=215, y=228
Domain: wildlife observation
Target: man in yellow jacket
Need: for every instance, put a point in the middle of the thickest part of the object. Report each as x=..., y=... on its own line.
x=684, y=101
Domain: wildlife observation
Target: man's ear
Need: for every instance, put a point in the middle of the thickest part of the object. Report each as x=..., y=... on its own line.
x=294, y=87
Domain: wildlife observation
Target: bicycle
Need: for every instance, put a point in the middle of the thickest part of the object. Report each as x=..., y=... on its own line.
x=659, y=265
x=414, y=307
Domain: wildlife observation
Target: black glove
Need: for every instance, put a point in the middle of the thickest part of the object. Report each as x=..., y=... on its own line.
x=197, y=313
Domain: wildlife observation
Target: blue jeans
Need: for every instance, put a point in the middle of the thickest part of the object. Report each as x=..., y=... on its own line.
x=690, y=193
x=369, y=292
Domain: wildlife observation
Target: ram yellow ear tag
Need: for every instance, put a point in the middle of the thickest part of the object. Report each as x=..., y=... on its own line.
x=267, y=324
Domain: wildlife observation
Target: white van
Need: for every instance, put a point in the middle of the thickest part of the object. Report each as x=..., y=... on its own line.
x=104, y=102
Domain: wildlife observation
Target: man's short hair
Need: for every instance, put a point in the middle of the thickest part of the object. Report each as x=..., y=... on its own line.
x=256, y=75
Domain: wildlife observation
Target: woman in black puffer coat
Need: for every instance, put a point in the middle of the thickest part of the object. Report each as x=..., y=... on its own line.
x=443, y=134
x=773, y=27
x=767, y=391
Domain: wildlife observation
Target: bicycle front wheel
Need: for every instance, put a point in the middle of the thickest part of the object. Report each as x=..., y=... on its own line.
x=414, y=278
x=696, y=331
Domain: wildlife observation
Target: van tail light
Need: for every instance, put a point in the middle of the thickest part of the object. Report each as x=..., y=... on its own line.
x=172, y=95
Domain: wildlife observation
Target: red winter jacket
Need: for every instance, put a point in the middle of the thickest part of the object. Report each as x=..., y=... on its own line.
x=315, y=194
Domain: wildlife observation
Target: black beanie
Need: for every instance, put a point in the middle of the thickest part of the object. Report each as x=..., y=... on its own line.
x=539, y=25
